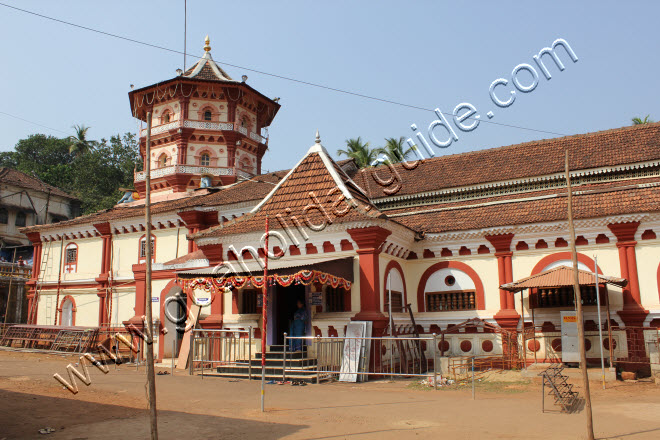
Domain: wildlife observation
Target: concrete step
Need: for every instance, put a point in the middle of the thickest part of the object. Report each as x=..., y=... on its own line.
x=269, y=377
x=244, y=369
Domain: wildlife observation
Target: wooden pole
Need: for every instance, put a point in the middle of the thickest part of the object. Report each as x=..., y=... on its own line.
x=610, y=342
x=264, y=318
x=578, y=303
x=529, y=301
x=600, y=323
x=151, y=377
x=522, y=318
x=11, y=278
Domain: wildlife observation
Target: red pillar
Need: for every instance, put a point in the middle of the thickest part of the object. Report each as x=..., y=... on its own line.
x=507, y=317
x=102, y=279
x=140, y=277
x=369, y=241
x=633, y=313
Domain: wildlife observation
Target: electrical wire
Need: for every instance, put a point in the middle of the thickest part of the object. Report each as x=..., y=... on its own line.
x=32, y=122
x=262, y=72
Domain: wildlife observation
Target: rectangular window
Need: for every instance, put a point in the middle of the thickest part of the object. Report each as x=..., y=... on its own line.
x=447, y=301
x=397, y=302
x=563, y=297
x=248, y=302
x=71, y=255
x=143, y=248
x=334, y=299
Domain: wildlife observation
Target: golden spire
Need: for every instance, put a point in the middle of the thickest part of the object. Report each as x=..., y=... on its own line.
x=207, y=44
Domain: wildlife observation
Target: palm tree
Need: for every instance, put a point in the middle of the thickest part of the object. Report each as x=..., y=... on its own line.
x=639, y=121
x=395, y=150
x=359, y=151
x=79, y=143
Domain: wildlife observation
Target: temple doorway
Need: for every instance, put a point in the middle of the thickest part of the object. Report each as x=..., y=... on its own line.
x=284, y=302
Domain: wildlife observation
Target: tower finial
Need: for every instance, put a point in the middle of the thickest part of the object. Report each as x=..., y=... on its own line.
x=207, y=44
x=318, y=136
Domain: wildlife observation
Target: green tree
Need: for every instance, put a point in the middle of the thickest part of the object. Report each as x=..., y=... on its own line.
x=395, y=149
x=79, y=143
x=639, y=121
x=359, y=151
x=93, y=177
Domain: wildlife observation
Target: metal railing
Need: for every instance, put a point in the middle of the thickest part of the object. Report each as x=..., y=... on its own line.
x=214, y=348
x=356, y=359
x=204, y=125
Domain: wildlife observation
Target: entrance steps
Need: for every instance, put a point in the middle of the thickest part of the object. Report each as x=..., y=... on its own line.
x=251, y=368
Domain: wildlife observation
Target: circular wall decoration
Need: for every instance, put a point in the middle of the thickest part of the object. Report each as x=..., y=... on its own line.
x=443, y=346
x=450, y=280
x=587, y=344
x=534, y=345
x=606, y=344
x=466, y=346
x=556, y=344
x=487, y=346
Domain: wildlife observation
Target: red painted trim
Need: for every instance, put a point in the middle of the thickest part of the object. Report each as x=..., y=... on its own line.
x=163, y=297
x=558, y=256
x=142, y=259
x=70, y=267
x=478, y=285
x=393, y=264
x=74, y=309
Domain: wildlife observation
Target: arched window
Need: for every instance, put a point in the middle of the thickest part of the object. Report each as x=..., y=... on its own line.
x=4, y=216
x=70, y=258
x=162, y=160
x=450, y=285
x=67, y=312
x=205, y=160
x=208, y=115
x=143, y=249
x=20, y=218
x=244, y=122
x=167, y=117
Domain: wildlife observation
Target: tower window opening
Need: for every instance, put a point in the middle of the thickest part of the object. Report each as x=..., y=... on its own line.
x=205, y=160
x=166, y=118
x=207, y=115
x=162, y=161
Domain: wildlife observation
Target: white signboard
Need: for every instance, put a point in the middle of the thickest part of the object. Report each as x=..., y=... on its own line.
x=569, y=337
x=350, y=361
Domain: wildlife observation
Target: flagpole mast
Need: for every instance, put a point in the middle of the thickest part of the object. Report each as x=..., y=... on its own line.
x=578, y=304
x=264, y=319
x=151, y=377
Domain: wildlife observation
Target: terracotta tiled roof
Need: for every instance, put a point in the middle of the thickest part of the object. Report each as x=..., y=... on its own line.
x=610, y=200
x=625, y=145
x=251, y=190
x=309, y=183
x=561, y=276
x=11, y=176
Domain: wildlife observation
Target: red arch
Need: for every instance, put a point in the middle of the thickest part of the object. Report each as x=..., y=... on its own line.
x=395, y=265
x=478, y=285
x=163, y=297
x=558, y=256
x=74, y=309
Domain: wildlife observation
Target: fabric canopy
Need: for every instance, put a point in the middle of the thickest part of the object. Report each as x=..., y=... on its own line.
x=336, y=272
x=561, y=276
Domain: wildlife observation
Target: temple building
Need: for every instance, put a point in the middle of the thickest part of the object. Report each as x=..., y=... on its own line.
x=443, y=234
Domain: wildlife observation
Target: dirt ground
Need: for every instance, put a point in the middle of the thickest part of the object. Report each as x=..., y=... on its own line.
x=113, y=407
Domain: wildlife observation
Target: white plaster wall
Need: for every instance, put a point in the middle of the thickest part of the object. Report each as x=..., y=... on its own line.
x=89, y=260
x=648, y=264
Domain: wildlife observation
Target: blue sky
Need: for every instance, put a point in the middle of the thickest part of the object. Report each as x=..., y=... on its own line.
x=427, y=54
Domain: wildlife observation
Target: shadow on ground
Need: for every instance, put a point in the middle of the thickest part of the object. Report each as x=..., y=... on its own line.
x=22, y=415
